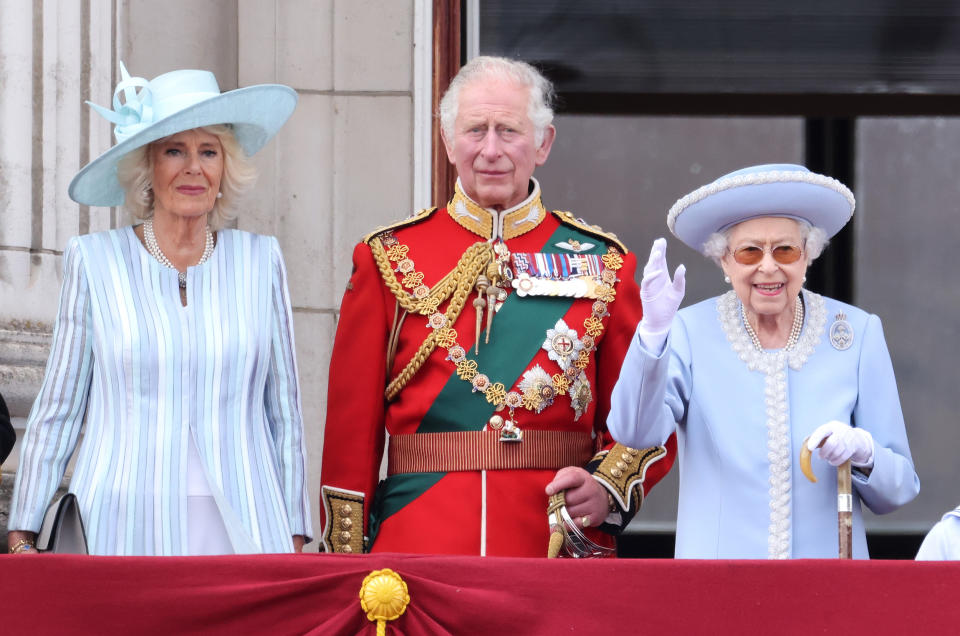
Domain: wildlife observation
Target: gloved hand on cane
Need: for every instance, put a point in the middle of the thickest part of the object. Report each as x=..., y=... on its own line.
x=842, y=442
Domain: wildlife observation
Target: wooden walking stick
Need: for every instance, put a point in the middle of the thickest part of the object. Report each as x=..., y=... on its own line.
x=844, y=500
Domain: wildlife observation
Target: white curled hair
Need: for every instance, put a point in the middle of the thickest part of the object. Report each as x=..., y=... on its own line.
x=814, y=240
x=539, y=110
x=135, y=174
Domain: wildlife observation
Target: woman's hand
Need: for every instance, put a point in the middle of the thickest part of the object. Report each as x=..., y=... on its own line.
x=586, y=499
x=842, y=442
x=660, y=296
x=22, y=542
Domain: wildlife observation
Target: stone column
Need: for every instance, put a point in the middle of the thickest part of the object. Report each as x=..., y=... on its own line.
x=52, y=54
x=344, y=163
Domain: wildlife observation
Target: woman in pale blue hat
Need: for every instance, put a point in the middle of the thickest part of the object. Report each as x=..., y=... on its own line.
x=746, y=378
x=172, y=370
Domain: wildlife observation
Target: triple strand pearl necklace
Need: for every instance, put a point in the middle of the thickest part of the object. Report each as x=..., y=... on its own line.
x=151, y=240
x=795, y=328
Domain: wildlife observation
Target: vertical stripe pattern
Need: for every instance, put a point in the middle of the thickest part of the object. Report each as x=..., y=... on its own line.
x=141, y=373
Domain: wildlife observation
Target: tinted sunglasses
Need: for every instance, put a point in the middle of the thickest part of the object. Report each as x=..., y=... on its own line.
x=752, y=254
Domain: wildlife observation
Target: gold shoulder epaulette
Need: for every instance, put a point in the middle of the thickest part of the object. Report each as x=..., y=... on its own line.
x=410, y=220
x=567, y=218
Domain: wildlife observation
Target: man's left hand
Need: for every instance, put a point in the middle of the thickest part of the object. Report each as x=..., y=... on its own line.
x=586, y=499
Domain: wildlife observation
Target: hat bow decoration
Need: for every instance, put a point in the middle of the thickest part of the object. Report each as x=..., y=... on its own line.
x=133, y=115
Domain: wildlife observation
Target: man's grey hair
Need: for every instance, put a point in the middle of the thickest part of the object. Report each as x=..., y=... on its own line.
x=539, y=110
x=814, y=239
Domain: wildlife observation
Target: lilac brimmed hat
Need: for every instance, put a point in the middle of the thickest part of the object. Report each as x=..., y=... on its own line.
x=172, y=103
x=785, y=190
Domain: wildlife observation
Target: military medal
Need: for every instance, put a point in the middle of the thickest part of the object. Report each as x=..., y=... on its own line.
x=841, y=333
x=545, y=274
x=562, y=344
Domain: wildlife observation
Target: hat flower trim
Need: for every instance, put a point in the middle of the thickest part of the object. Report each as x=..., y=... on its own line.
x=759, y=178
x=136, y=113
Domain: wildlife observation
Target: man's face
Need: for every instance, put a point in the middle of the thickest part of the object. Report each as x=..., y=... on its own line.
x=493, y=145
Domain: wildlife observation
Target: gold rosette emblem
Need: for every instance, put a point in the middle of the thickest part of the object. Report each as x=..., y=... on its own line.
x=384, y=597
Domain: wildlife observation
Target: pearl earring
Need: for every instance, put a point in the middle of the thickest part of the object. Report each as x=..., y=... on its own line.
x=726, y=279
x=804, y=279
x=219, y=195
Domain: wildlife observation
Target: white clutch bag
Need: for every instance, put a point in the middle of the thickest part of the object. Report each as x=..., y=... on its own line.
x=62, y=528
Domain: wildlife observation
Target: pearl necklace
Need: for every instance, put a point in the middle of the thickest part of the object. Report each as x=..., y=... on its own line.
x=154, y=248
x=795, y=328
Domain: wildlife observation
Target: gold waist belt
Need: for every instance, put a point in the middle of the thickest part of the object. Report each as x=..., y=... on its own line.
x=483, y=450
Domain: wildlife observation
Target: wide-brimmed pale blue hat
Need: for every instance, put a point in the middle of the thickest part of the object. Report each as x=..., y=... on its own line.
x=777, y=189
x=172, y=103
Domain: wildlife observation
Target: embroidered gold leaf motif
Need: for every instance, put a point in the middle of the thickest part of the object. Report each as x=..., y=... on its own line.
x=446, y=337
x=466, y=369
x=612, y=260
x=582, y=360
x=606, y=293
x=593, y=326
x=428, y=305
x=496, y=393
x=531, y=399
x=413, y=279
x=561, y=383
x=397, y=252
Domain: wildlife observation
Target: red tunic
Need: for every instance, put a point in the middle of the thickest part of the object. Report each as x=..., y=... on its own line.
x=493, y=512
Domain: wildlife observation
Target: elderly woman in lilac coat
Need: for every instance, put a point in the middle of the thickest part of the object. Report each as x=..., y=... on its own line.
x=747, y=378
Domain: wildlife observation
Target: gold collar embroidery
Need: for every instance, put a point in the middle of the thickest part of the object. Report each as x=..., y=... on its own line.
x=483, y=222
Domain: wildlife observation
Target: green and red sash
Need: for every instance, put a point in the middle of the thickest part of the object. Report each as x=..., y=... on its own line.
x=518, y=333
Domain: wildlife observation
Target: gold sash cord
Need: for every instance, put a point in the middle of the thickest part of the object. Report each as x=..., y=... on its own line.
x=483, y=450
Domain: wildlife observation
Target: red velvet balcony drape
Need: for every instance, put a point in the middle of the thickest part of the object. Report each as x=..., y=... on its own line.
x=318, y=594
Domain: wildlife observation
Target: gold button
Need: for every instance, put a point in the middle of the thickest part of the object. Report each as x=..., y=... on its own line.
x=346, y=523
x=345, y=537
x=633, y=451
x=627, y=458
x=495, y=422
x=346, y=510
x=621, y=466
x=345, y=548
x=616, y=472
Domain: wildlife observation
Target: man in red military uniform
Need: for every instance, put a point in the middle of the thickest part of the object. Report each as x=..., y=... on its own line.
x=485, y=338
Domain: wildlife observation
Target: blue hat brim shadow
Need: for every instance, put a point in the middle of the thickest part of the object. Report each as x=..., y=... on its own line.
x=256, y=114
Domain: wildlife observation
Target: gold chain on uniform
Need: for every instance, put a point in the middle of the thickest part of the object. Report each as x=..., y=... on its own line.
x=392, y=257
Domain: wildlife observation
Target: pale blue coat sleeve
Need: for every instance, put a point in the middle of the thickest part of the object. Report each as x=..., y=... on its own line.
x=282, y=401
x=650, y=396
x=56, y=418
x=893, y=481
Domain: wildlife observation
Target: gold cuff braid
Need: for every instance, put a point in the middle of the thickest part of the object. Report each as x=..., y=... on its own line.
x=344, y=512
x=622, y=471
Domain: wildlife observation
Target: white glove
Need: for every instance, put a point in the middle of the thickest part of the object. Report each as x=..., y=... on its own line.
x=660, y=296
x=842, y=442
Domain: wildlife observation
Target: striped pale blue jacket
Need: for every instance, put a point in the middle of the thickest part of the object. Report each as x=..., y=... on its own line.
x=140, y=374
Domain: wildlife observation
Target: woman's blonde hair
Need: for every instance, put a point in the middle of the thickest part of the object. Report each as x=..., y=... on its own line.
x=135, y=174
